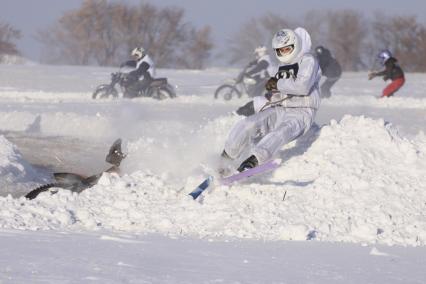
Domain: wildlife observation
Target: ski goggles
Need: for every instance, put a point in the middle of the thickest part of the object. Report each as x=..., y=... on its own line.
x=284, y=50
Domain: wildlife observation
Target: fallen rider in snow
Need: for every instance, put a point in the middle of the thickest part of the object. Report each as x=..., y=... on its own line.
x=78, y=183
x=286, y=112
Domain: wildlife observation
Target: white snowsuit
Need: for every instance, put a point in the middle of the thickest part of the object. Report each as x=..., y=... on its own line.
x=149, y=61
x=289, y=113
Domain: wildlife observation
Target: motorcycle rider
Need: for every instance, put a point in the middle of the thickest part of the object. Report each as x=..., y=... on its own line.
x=259, y=69
x=143, y=68
x=286, y=112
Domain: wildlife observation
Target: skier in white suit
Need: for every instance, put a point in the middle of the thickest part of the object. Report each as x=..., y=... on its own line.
x=288, y=109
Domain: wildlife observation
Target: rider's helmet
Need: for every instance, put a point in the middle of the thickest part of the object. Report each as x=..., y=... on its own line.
x=319, y=50
x=384, y=55
x=287, y=45
x=322, y=52
x=260, y=51
x=138, y=53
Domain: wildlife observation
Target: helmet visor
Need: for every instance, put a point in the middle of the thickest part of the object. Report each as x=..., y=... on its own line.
x=283, y=51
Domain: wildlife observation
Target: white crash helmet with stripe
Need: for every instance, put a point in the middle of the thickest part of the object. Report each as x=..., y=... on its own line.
x=286, y=45
x=138, y=53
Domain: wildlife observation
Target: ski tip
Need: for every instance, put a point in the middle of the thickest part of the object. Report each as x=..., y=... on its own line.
x=210, y=178
x=195, y=195
x=277, y=161
x=200, y=188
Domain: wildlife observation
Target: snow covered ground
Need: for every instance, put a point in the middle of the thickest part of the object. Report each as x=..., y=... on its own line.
x=64, y=257
x=347, y=205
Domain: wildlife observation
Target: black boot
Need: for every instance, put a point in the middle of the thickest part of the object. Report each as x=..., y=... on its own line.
x=247, y=109
x=250, y=163
x=115, y=155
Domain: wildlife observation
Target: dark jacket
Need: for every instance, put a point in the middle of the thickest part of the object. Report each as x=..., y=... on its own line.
x=255, y=67
x=392, y=70
x=142, y=70
x=329, y=65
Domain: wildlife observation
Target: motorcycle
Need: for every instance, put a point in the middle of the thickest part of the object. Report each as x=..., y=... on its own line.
x=158, y=88
x=243, y=84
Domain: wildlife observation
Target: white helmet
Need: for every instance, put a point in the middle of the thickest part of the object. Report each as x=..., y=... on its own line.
x=287, y=45
x=384, y=55
x=260, y=51
x=138, y=52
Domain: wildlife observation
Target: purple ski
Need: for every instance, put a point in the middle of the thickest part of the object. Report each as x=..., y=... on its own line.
x=268, y=166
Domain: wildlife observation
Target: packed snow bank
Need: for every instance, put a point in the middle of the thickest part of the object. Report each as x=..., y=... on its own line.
x=15, y=173
x=355, y=180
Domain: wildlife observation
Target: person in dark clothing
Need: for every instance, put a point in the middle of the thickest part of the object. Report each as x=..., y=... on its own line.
x=330, y=68
x=260, y=70
x=143, y=68
x=391, y=72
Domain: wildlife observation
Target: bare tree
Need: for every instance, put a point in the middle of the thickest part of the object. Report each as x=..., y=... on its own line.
x=197, y=53
x=7, y=36
x=167, y=38
x=421, y=67
x=404, y=36
x=103, y=33
x=254, y=33
x=315, y=22
x=343, y=32
x=163, y=35
x=72, y=40
x=346, y=35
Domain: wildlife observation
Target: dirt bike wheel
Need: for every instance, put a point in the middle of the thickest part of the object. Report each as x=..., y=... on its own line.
x=226, y=92
x=163, y=93
x=171, y=91
x=104, y=92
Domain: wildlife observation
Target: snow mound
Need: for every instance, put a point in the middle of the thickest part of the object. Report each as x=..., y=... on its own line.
x=16, y=174
x=366, y=184
x=356, y=180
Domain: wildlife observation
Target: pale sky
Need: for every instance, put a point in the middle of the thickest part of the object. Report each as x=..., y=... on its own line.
x=224, y=16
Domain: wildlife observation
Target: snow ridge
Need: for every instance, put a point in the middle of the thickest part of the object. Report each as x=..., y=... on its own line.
x=14, y=170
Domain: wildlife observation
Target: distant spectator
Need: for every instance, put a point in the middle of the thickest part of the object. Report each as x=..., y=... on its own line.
x=330, y=68
x=392, y=71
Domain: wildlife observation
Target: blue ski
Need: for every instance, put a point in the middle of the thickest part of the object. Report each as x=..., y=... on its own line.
x=196, y=192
